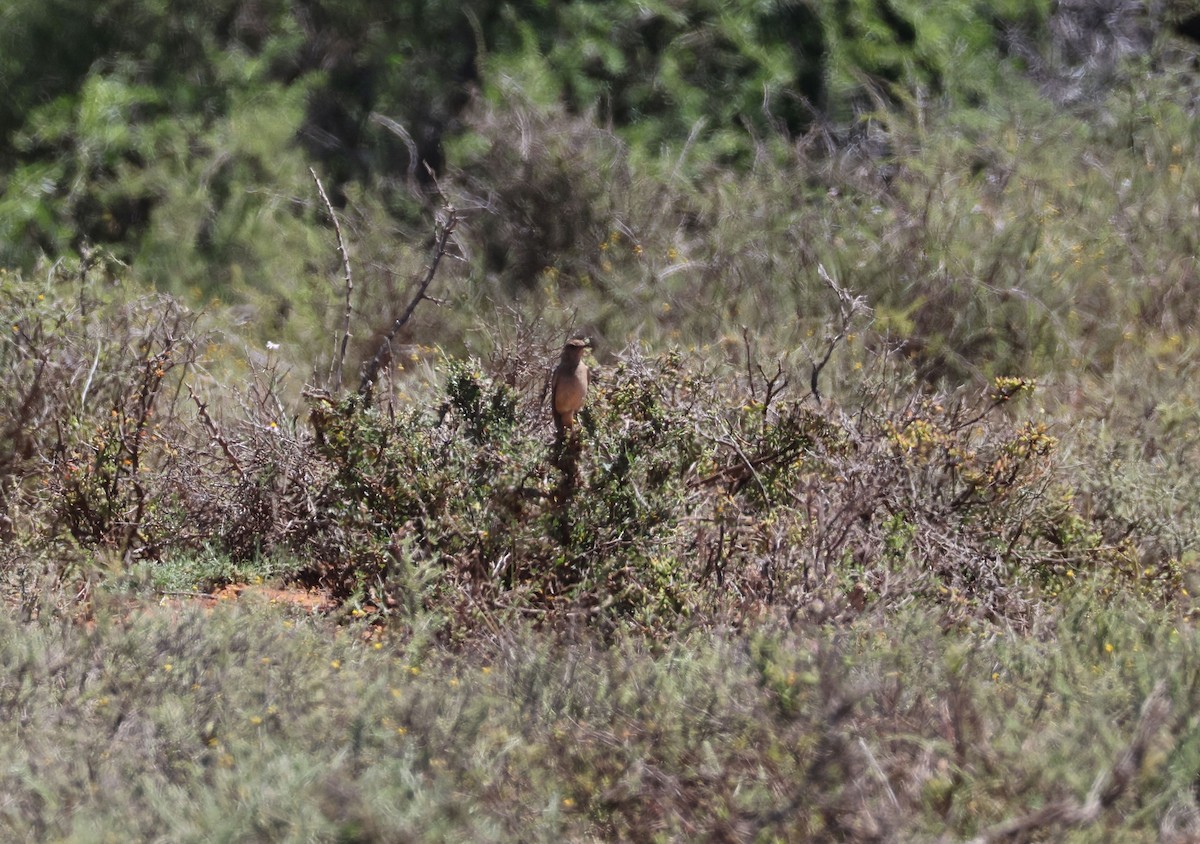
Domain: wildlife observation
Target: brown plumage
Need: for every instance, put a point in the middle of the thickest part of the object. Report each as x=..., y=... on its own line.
x=569, y=385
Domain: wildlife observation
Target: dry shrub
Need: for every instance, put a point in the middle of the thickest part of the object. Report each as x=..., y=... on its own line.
x=940, y=497
x=681, y=496
x=90, y=423
x=680, y=500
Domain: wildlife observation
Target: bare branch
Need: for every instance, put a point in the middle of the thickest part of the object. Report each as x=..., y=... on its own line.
x=400, y=132
x=849, y=306
x=773, y=385
x=215, y=433
x=339, y=360
x=445, y=230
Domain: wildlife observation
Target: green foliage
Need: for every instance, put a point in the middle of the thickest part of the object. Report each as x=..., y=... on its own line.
x=668, y=75
x=490, y=410
x=950, y=50
x=188, y=162
x=472, y=488
x=190, y=573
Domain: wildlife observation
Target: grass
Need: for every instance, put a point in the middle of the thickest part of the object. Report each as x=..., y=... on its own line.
x=207, y=569
x=242, y=723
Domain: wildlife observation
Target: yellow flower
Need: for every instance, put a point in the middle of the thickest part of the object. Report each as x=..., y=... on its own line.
x=335, y=664
x=1108, y=648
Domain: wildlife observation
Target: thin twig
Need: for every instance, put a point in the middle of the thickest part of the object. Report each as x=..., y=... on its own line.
x=746, y=460
x=849, y=306
x=445, y=231
x=400, y=132
x=339, y=353
x=215, y=433
x=772, y=385
x=878, y=771
x=88, y=384
x=749, y=363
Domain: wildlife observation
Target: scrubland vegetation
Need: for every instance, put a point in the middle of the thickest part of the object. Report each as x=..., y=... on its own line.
x=883, y=520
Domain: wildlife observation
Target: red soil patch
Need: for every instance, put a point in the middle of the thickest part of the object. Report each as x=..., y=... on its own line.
x=310, y=600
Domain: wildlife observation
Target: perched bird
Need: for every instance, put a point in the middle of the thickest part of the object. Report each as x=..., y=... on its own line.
x=568, y=385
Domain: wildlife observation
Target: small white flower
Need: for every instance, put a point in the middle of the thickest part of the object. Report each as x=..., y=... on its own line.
x=272, y=346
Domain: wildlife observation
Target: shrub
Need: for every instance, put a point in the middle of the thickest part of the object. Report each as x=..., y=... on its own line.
x=684, y=493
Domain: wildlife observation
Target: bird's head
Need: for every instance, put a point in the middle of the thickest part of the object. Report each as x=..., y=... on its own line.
x=575, y=347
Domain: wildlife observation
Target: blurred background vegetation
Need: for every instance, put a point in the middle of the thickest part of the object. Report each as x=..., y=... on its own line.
x=665, y=170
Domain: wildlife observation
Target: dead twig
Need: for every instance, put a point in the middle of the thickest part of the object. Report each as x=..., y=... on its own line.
x=849, y=306
x=773, y=385
x=339, y=351
x=446, y=223
x=215, y=433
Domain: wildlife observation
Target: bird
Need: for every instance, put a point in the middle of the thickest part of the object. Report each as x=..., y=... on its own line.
x=569, y=384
